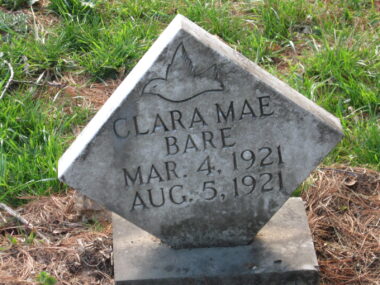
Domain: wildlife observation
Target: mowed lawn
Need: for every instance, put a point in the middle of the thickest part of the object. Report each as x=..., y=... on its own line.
x=327, y=50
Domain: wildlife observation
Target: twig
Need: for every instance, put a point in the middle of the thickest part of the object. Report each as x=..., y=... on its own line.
x=34, y=88
x=40, y=84
x=13, y=213
x=2, y=217
x=341, y=170
x=40, y=77
x=56, y=95
x=9, y=80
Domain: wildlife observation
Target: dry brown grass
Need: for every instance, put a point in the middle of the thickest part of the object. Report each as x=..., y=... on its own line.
x=82, y=92
x=343, y=206
x=77, y=254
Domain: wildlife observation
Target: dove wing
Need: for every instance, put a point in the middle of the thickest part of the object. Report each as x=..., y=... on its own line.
x=181, y=65
x=211, y=72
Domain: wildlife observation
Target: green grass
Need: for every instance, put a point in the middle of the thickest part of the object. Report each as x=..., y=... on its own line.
x=327, y=50
x=73, y=9
x=45, y=278
x=345, y=73
x=361, y=145
x=33, y=134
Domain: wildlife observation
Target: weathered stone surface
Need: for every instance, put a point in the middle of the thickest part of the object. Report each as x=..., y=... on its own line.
x=282, y=253
x=198, y=145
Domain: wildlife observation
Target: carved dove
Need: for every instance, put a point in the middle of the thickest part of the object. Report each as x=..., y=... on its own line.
x=181, y=82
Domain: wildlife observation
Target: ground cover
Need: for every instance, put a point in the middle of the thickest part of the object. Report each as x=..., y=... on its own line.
x=343, y=206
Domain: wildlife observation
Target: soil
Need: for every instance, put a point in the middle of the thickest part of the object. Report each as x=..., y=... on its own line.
x=85, y=92
x=343, y=207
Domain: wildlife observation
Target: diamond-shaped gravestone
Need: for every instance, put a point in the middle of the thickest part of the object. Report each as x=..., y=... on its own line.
x=198, y=146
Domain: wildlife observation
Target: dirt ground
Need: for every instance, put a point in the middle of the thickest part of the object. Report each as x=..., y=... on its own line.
x=343, y=206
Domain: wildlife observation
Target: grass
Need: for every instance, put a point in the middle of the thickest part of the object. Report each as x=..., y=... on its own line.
x=33, y=135
x=328, y=50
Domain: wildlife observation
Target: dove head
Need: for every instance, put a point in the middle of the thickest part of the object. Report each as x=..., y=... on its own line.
x=154, y=86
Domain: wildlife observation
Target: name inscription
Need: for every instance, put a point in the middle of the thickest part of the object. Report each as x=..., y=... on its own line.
x=247, y=170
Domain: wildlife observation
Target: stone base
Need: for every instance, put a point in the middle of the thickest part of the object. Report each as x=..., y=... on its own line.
x=281, y=253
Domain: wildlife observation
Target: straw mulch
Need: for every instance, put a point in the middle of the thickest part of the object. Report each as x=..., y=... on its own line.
x=343, y=206
x=79, y=252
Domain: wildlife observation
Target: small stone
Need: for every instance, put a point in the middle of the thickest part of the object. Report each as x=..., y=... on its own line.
x=90, y=210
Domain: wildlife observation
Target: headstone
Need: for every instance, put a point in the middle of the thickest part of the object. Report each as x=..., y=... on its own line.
x=198, y=146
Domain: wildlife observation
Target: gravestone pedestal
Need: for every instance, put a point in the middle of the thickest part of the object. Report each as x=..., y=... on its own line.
x=281, y=253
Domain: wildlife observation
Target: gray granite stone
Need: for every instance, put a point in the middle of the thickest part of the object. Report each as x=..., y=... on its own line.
x=282, y=253
x=198, y=146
